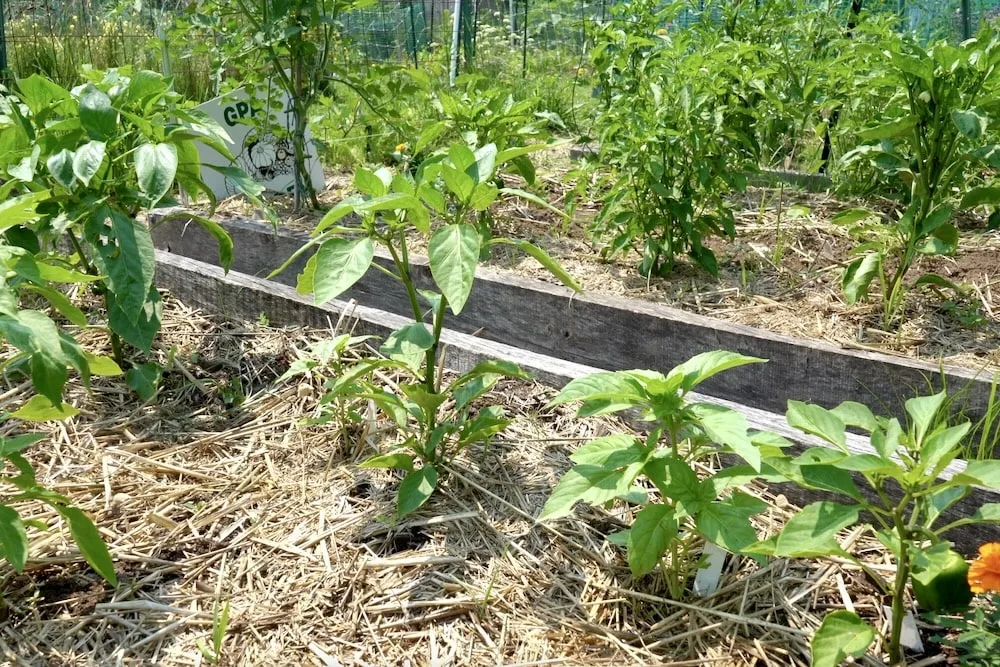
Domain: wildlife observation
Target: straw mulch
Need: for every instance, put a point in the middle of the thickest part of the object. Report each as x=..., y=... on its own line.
x=204, y=497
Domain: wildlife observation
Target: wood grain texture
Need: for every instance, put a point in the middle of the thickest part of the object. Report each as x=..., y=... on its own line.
x=616, y=333
x=242, y=297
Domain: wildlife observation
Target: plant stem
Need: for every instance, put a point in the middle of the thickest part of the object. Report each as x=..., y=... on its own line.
x=432, y=353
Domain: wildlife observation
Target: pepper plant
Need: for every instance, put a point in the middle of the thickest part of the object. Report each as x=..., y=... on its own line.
x=909, y=457
x=936, y=146
x=90, y=160
x=682, y=433
x=674, y=134
x=438, y=419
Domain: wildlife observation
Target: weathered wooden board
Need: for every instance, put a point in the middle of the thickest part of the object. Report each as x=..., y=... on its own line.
x=770, y=178
x=243, y=297
x=616, y=333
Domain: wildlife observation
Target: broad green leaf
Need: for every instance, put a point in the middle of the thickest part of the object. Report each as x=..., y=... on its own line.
x=339, y=264
x=398, y=460
x=240, y=180
x=140, y=327
x=817, y=421
x=858, y=277
x=13, y=538
x=367, y=182
x=128, y=262
x=730, y=477
x=429, y=135
x=980, y=473
x=453, y=252
x=676, y=480
x=842, y=634
x=19, y=443
x=483, y=196
x=606, y=391
x=343, y=208
x=155, y=167
x=856, y=414
x=102, y=366
x=969, y=123
x=39, y=92
x=611, y=451
x=649, y=537
x=987, y=513
x=91, y=545
x=59, y=274
x=813, y=531
x=415, y=489
x=483, y=168
x=473, y=389
x=891, y=129
x=304, y=283
x=97, y=116
x=41, y=409
x=590, y=484
x=221, y=237
x=60, y=165
x=61, y=303
x=144, y=379
x=923, y=410
x=35, y=333
x=701, y=367
x=87, y=160
x=940, y=500
x=941, y=447
x=985, y=196
x=458, y=182
x=938, y=281
x=726, y=523
x=19, y=210
x=409, y=345
x=851, y=216
x=726, y=427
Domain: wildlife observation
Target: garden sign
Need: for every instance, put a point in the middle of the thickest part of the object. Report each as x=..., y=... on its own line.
x=266, y=158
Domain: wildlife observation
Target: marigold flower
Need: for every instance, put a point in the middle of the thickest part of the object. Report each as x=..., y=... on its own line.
x=661, y=31
x=984, y=572
x=401, y=147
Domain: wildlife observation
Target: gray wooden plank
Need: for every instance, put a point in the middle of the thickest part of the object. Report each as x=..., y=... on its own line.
x=616, y=332
x=243, y=297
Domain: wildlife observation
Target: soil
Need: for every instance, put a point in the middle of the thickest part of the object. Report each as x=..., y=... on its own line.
x=208, y=495
x=782, y=272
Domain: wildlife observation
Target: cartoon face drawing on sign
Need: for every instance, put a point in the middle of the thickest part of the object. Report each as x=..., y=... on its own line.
x=265, y=157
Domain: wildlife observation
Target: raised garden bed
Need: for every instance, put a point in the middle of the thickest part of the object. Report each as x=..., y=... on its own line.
x=620, y=333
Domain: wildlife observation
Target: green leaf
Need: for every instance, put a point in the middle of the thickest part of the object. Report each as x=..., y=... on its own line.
x=701, y=367
x=429, y=135
x=415, y=489
x=923, y=410
x=969, y=123
x=726, y=427
x=398, y=460
x=858, y=277
x=97, y=117
x=20, y=210
x=891, y=129
x=156, y=167
x=409, y=345
x=141, y=331
x=35, y=333
x=544, y=259
x=144, y=379
x=483, y=196
x=851, y=216
x=343, y=208
x=841, y=634
x=220, y=235
x=61, y=303
x=483, y=168
x=603, y=392
x=611, y=451
x=367, y=182
x=128, y=263
x=87, y=160
x=726, y=523
x=655, y=526
x=454, y=254
x=676, y=480
x=60, y=165
x=813, y=531
x=980, y=473
x=941, y=447
x=817, y=421
x=533, y=198
x=91, y=545
x=41, y=409
x=240, y=180
x=339, y=264
x=458, y=182
x=39, y=92
x=938, y=281
x=102, y=366
x=985, y=196
x=13, y=538
x=586, y=483
x=856, y=414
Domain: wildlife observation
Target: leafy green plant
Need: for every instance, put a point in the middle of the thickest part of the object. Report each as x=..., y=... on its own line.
x=673, y=133
x=682, y=433
x=908, y=457
x=933, y=143
x=88, y=162
x=220, y=623
x=974, y=634
x=437, y=419
x=13, y=534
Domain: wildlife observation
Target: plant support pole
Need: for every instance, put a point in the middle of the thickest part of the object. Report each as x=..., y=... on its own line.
x=966, y=20
x=455, y=28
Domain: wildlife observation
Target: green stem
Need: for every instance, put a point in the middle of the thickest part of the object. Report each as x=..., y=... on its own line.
x=432, y=385
x=898, y=600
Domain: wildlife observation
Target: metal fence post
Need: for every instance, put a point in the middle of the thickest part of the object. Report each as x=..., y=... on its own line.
x=966, y=20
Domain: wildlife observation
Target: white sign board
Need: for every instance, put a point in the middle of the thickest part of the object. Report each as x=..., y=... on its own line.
x=267, y=159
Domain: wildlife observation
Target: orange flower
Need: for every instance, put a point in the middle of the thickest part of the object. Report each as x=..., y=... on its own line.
x=402, y=147
x=984, y=572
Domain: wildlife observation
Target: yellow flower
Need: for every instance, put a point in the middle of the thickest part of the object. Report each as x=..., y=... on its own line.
x=402, y=147
x=661, y=31
x=984, y=572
